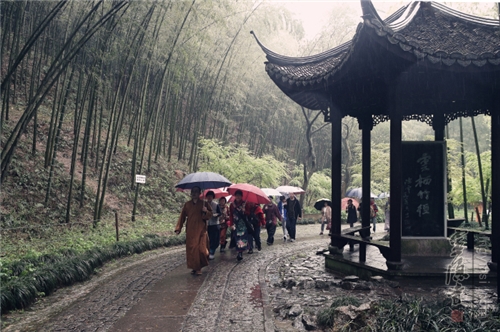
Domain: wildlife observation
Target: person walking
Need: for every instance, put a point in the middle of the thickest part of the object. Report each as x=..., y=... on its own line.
x=197, y=213
x=256, y=217
x=213, y=228
x=282, y=210
x=272, y=214
x=223, y=219
x=326, y=217
x=373, y=213
x=294, y=212
x=239, y=223
x=352, y=215
x=387, y=211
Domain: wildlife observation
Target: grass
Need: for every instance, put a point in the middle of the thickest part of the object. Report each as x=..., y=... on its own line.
x=26, y=279
x=414, y=314
x=326, y=317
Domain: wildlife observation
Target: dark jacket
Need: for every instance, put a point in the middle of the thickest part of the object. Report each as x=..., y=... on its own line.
x=293, y=209
x=272, y=213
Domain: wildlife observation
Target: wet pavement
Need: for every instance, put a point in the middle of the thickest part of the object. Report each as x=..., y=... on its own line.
x=280, y=288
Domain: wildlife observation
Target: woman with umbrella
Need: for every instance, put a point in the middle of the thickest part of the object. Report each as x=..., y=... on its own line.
x=238, y=223
x=352, y=215
x=241, y=211
x=326, y=217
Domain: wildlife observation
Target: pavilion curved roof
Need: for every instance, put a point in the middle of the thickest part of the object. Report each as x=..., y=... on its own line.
x=426, y=32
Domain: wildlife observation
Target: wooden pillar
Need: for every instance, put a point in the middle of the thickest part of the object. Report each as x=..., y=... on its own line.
x=336, y=120
x=366, y=125
x=396, y=185
x=438, y=126
x=495, y=193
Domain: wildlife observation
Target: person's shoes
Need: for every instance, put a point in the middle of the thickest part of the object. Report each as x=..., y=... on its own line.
x=240, y=256
x=198, y=273
x=284, y=238
x=193, y=272
x=269, y=244
x=292, y=240
x=211, y=256
x=259, y=247
x=222, y=250
x=321, y=233
x=250, y=251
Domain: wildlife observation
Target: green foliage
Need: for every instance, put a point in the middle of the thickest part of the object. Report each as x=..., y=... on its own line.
x=238, y=165
x=410, y=314
x=472, y=180
x=320, y=186
x=326, y=317
x=24, y=280
x=345, y=300
x=414, y=314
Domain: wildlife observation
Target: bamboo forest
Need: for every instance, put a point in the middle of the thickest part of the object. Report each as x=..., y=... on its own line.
x=96, y=92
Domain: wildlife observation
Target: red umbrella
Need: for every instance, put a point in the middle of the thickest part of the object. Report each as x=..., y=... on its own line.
x=251, y=193
x=218, y=193
x=344, y=202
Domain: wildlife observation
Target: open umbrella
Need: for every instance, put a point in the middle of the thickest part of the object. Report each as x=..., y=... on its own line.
x=290, y=189
x=343, y=203
x=203, y=180
x=271, y=192
x=384, y=195
x=217, y=192
x=358, y=193
x=320, y=203
x=250, y=192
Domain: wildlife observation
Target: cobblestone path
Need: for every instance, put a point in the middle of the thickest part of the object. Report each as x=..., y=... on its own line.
x=232, y=296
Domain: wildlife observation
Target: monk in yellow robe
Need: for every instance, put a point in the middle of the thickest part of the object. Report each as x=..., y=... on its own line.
x=197, y=213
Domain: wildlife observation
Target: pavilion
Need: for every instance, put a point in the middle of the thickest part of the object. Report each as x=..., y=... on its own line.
x=425, y=62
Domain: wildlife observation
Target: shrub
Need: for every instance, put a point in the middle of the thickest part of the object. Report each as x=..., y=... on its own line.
x=326, y=317
x=24, y=280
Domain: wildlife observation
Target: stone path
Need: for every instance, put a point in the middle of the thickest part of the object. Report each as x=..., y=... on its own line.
x=230, y=296
x=280, y=288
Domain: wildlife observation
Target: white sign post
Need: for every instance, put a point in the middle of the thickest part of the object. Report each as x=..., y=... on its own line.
x=140, y=178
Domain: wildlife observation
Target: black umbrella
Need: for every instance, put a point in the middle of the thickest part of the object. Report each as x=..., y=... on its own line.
x=320, y=203
x=204, y=180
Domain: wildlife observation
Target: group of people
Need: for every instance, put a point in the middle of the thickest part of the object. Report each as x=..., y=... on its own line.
x=352, y=215
x=207, y=223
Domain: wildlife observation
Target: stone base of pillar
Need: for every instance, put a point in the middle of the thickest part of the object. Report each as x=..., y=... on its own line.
x=335, y=250
x=493, y=266
x=426, y=247
x=394, y=265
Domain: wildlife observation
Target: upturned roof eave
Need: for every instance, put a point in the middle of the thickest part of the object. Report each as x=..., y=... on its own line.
x=387, y=31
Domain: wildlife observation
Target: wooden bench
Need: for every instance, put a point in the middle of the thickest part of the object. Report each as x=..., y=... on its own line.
x=350, y=232
x=384, y=248
x=354, y=230
x=471, y=232
x=359, y=239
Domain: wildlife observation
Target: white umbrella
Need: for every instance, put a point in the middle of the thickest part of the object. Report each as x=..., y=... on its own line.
x=290, y=189
x=271, y=192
